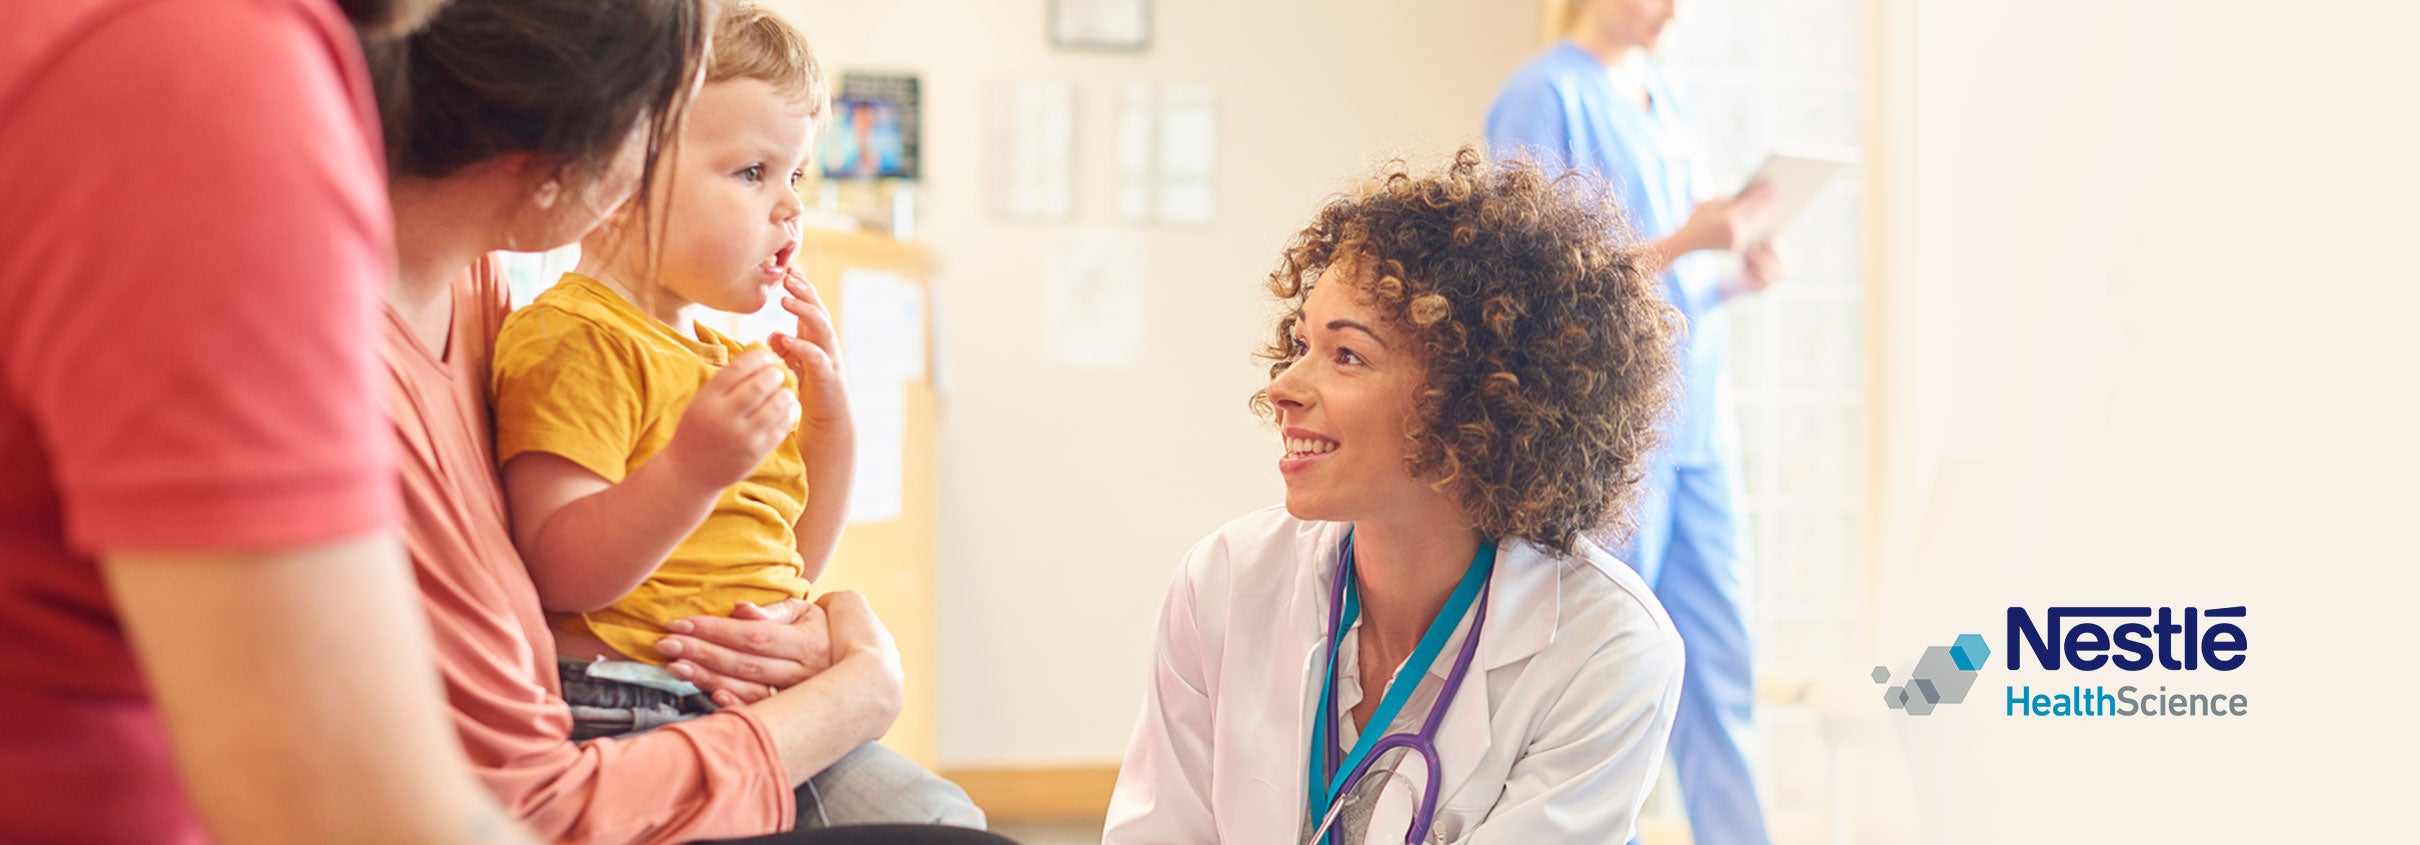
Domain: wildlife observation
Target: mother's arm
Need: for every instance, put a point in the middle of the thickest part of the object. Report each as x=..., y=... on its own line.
x=724, y=775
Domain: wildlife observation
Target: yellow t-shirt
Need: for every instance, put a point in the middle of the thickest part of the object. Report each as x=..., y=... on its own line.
x=582, y=373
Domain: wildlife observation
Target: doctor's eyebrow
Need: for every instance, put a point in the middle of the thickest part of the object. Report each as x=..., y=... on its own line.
x=1334, y=325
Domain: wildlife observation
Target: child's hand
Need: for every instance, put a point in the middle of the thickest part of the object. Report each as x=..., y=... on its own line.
x=735, y=421
x=814, y=352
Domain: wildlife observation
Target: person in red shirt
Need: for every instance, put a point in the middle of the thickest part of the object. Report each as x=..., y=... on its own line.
x=210, y=625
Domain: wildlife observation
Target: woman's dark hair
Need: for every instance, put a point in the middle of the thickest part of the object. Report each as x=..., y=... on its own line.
x=380, y=19
x=566, y=80
x=1549, y=347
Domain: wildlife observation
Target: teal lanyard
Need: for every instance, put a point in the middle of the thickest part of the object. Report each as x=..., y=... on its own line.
x=1327, y=787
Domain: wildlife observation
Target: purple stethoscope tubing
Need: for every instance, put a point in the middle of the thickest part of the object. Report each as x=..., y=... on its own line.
x=1423, y=743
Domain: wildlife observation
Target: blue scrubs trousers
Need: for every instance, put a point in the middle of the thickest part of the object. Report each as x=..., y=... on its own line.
x=1688, y=550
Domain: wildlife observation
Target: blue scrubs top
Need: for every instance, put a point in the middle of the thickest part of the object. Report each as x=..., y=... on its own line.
x=1562, y=110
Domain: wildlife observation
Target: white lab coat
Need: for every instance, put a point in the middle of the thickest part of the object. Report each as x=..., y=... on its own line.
x=1554, y=737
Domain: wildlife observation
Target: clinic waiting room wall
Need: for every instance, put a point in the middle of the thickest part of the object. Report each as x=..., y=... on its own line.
x=1067, y=496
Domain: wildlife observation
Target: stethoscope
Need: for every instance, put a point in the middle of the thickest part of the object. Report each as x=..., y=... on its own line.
x=1328, y=785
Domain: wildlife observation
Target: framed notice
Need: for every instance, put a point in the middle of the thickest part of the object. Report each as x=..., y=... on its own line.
x=1118, y=26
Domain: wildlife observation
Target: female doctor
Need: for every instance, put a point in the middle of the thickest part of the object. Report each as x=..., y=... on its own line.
x=1421, y=646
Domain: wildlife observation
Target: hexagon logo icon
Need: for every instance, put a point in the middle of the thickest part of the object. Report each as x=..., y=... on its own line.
x=1970, y=651
x=1942, y=676
x=1938, y=670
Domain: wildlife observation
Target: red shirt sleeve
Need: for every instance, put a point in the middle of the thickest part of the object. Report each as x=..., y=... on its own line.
x=190, y=310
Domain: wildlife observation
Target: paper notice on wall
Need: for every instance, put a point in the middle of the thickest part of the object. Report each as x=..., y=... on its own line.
x=1138, y=168
x=1032, y=146
x=881, y=483
x=1168, y=154
x=882, y=329
x=1094, y=303
x=1188, y=148
x=882, y=345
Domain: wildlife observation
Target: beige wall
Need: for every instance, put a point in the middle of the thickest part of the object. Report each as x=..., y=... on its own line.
x=1067, y=497
x=2148, y=344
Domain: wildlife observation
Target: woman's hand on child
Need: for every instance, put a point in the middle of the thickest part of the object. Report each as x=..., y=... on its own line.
x=755, y=651
x=759, y=651
x=814, y=352
x=734, y=422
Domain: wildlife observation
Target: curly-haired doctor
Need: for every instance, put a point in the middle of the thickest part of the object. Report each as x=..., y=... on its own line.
x=1421, y=644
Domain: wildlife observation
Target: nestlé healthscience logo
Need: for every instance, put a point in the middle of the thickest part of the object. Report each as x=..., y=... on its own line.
x=1942, y=676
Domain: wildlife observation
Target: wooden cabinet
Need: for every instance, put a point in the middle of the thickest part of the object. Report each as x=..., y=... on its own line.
x=892, y=561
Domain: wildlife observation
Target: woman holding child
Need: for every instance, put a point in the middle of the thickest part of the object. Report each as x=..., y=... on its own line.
x=526, y=124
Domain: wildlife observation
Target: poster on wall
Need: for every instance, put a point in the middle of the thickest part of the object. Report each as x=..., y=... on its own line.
x=874, y=128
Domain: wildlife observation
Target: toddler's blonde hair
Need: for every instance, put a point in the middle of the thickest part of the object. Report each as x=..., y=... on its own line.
x=752, y=43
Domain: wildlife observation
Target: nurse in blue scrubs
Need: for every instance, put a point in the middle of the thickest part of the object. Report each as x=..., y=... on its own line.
x=1594, y=102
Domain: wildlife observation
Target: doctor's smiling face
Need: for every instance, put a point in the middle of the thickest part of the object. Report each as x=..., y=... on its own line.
x=1476, y=343
x=1344, y=407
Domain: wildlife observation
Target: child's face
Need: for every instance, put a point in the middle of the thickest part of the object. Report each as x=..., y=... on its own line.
x=1344, y=407
x=731, y=223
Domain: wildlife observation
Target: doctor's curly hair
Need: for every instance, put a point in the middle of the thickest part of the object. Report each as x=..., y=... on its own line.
x=1549, y=348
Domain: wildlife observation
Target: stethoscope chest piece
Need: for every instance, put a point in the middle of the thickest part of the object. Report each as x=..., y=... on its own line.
x=1333, y=772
